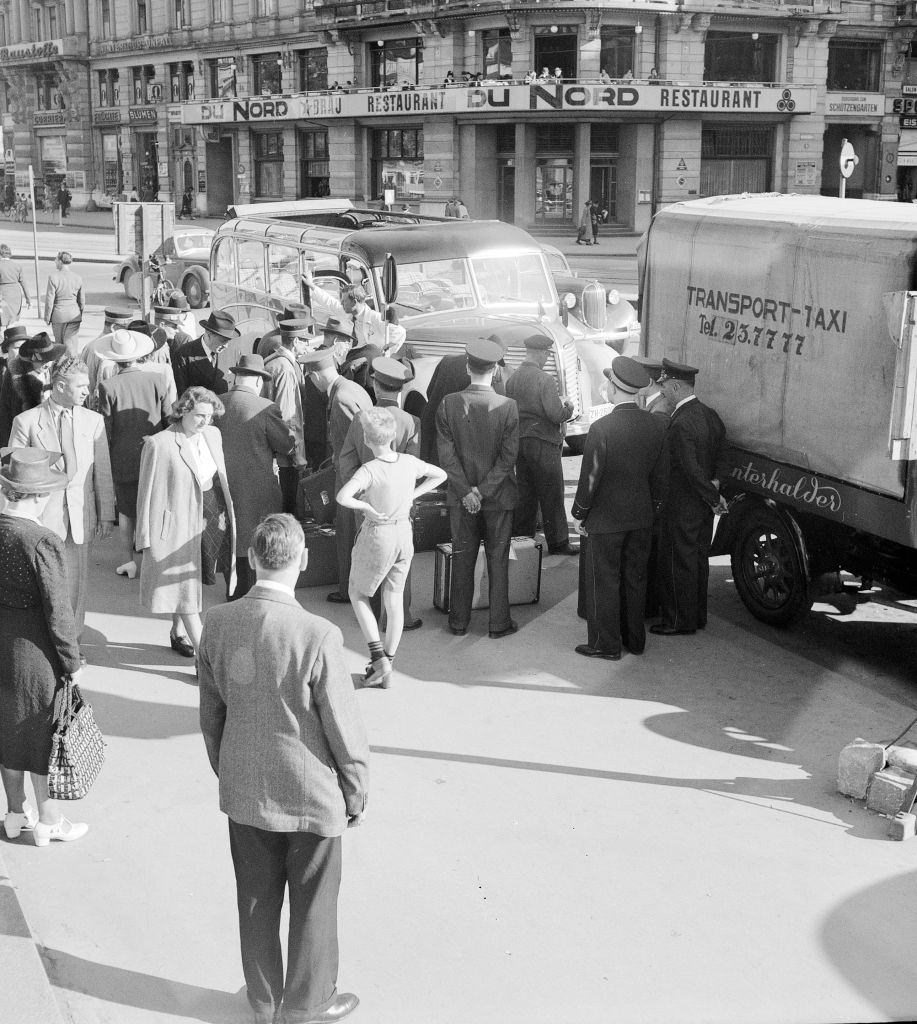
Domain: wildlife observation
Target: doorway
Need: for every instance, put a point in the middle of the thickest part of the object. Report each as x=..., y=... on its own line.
x=219, y=176
x=603, y=187
x=506, y=191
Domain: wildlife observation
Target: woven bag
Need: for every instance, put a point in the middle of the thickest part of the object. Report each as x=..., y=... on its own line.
x=77, y=747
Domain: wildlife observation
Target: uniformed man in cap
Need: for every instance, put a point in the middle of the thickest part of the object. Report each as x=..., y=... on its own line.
x=478, y=436
x=655, y=402
x=285, y=388
x=345, y=400
x=539, y=468
x=622, y=481
x=695, y=438
x=270, y=342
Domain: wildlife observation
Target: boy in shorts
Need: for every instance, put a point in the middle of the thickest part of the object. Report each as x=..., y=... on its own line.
x=389, y=485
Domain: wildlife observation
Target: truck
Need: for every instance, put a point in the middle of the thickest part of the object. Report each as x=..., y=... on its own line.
x=800, y=313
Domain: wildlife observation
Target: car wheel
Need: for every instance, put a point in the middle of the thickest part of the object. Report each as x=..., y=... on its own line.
x=194, y=291
x=133, y=284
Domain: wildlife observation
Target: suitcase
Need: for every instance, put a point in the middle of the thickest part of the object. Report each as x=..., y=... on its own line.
x=315, y=495
x=322, y=567
x=430, y=517
x=524, y=575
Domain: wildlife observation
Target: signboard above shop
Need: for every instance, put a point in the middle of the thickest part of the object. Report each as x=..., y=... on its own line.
x=621, y=98
x=871, y=103
x=32, y=51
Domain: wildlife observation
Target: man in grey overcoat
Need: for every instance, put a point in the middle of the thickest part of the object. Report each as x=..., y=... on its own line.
x=284, y=735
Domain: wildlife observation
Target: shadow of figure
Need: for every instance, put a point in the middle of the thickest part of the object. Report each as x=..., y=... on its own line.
x=141, y=719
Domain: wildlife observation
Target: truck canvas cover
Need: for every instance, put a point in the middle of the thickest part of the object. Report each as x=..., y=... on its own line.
x=779, y=301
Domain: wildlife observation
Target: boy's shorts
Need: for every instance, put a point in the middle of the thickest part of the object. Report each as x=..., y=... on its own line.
x=383, y=552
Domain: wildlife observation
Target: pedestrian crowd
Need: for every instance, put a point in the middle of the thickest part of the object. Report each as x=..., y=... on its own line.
x=199, y=441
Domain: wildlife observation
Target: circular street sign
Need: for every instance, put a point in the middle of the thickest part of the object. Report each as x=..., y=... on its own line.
x=848, y=159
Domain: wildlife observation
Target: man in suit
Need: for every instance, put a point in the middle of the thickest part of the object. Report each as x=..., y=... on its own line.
x=655, y=403
x=206, y=361
x=388, y=379
x=539, y=471
x=284, y=736
x=695, y=438
x=85, y=509
x=622, y=481
x=478, y=434
x=345, y=400
x=254, y=435
x=284, y=387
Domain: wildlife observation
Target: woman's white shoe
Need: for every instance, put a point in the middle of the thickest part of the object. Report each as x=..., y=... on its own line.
x=14, y=823
x=65, y=831
x=128, y=569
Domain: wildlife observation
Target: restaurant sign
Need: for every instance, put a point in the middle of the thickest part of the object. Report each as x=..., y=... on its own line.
x=32, y=51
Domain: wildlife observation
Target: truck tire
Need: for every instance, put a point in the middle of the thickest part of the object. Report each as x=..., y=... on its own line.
x=769, y=569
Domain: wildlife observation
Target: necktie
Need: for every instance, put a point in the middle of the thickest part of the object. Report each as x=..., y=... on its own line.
x=66, y=442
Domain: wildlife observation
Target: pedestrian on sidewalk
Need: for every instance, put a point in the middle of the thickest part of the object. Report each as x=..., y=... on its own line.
x=284, y=736
x=585, y=224
x=13, y=291
x=64, y=302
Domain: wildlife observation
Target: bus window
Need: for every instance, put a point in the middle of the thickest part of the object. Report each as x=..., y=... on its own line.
x=224, y=262
x=434, y=284
x=251, y=265
x=283, y=267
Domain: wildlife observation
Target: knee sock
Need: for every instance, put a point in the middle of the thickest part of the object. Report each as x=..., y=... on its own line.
x=375, y=650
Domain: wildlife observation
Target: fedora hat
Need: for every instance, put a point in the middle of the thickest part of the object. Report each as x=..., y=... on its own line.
x=40, y=348
x=221, y=323
x=13, y=334
x=251, y=366
x=29, y=471
x=335, y=326
x=125, y=346
x=299, y=327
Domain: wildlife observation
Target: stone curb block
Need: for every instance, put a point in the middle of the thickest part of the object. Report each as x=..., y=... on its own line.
x=887, y=790
x=857, y=764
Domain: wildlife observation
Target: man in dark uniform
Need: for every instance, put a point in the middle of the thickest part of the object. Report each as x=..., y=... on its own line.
x=622, y=481
x=206, y=362
x=655, y=403
x=539, y=469
x=695, y=438
x=345, y=400
x=478, y=434
x=388, y=379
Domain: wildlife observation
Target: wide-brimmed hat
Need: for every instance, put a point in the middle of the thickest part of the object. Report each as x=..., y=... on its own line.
x=28, y=470
x=251, y=366
x=40, y=348
x=126, y=346
x=13, y=334
x=221, y=323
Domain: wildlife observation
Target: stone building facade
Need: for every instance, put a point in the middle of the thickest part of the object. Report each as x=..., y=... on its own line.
x=634, y=104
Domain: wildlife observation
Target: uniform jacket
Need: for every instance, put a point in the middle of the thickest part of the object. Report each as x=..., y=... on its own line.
x=170, y=517
x=478, y=433
x=624, y=472
x=345, y=400
x=541, y=412
x=279, y=716
x=450, y=376
x=285, y=389
x=254, y=434
x=355, y=452
x=89, y=498
x=64, y=297
x=696, y=437
x=134, y=403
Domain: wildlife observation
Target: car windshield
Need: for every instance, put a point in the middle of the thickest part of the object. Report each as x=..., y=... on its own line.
x=185, y=242
x=433, y=284
x=515, y=279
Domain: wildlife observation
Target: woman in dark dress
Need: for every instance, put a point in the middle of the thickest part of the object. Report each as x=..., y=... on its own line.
x=37, y=644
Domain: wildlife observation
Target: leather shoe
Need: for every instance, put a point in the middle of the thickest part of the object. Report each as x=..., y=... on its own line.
x=496, y=634
x=336, y=597
x=413, y=624
x=594, y=652
x=181, y=645
x=344, y=1003
x=660, y=630
x=458, y=630
x=566, y=549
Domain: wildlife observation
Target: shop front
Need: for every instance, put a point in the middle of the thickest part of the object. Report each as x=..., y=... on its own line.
x=855, y=118
x=145, y=151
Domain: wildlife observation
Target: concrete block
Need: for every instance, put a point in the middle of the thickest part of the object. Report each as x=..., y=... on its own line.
x=902, y=826
x=857, y=764
x=902, y=757
x=887, y=789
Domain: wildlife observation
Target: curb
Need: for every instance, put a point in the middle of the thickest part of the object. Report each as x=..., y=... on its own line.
x=27, y=994
x=77, y=257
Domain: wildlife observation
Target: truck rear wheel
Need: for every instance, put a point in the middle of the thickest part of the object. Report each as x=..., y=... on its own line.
x=768, y=569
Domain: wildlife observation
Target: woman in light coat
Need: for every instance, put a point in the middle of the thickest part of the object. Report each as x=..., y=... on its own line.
x=64, y=302
x=185, y=521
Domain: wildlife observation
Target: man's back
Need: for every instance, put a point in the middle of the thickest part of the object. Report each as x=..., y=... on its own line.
x=696, y=436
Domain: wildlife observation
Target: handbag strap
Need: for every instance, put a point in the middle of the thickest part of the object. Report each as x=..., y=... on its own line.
x=67, y=694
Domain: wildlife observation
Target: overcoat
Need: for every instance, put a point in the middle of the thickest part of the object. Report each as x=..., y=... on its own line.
x=170, y=520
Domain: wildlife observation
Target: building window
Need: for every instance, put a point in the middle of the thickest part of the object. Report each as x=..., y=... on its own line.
x=556, y=50
x=616, y=56
x=4, y=37
x=36, y=23
x=221, y=78
x=736, y=57
x=314, y=169
x=396, y=62
x=266, y=8
x=104, y=99
x=182, y=13
x=142, y=20
x=498, y=53
x=181, y=81
x=267, y=69
x=52, y=21
x=220, y=11
x=735, y=160
x=109, y=93
x=313, y=70
x=855, y=64
x=146, y=88
x=268, y=153
x=112, y=182
x=48, y=92
x=397, y=162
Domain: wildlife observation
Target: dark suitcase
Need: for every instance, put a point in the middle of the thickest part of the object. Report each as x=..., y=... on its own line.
x=322, y=567
x=524, y=575
x=315, y=495
x=430, y=517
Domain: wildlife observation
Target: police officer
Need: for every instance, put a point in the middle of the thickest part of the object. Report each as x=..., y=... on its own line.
x=655, y=402
x=539, y=469
x=695, y=438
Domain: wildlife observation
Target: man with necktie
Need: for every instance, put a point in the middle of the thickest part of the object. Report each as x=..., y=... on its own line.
x=205, y=362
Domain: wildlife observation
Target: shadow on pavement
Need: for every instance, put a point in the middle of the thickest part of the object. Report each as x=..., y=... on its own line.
x=141, y=719
x=151, y=659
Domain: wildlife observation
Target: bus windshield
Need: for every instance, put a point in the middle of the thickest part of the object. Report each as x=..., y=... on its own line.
x=432, y=285
x=512, y=279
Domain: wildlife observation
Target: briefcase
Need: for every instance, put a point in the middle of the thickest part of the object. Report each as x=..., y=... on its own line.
x=315, y=497
x=322, y=567
x=430, y=518
x=524, y=575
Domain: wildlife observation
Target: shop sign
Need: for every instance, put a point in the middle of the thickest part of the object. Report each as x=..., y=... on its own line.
x=162, y=42
x=855, y=103
x=904, y=106
x=909, y=90
x=805, y=174
x=45, y=118
x=907, y=122
x=201, y=180
x=141, y=115
x=32, y=51
x=9, y=162
x=111, y=115
x=507, y=99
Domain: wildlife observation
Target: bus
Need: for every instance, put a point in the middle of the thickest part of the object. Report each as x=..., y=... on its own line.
x=456, y=280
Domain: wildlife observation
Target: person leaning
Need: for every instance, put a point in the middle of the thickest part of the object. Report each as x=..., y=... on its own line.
x=621, y=484
x=539, y=468
x=285, y=387
x=64, y=302
x=695, y=439
x=478, y=435
x=284, y=737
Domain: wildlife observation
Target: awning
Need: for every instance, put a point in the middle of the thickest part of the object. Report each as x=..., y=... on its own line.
x=907, y=148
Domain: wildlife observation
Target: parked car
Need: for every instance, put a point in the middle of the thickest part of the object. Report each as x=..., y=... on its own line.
x=184, y=259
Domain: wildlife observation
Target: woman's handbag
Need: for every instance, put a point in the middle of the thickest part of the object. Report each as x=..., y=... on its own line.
x=77, y=747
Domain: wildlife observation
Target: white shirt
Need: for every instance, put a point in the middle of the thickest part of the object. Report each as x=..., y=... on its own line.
x=274, y=585
x=683, y=401
x=207, y=468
